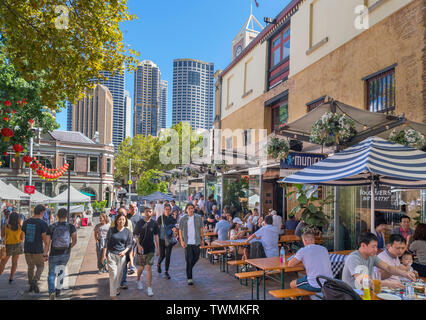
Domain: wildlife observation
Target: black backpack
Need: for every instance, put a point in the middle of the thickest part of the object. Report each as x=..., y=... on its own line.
x=333, y=289
x=256, y=250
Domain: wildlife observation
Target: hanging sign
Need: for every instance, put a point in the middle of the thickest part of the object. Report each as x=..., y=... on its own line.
x=29, y=189
x=296, y=160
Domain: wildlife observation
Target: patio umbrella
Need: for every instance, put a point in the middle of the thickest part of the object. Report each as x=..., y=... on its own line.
x=156, y=196
x=372, y=161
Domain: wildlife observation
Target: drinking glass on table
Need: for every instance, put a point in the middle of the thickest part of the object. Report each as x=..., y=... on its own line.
x=376, y=277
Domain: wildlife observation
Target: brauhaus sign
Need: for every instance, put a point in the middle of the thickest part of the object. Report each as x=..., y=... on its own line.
x=297, y=160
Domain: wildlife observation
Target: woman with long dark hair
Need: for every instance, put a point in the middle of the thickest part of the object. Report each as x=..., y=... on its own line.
x=119, y=240
x=14, y=237
x=167, y=225
x=418, y=246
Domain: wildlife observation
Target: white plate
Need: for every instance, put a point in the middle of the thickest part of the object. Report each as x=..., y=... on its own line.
x=388, y=296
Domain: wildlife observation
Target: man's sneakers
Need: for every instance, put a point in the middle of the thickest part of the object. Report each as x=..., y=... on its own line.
x=190, y=282
x=100, y=271
x=150, y=293
x=159, y=268
x=140, y=285
x=124, y=286
x=57, y=292
x=166, y=274
x=52, y=296
x=132, y=270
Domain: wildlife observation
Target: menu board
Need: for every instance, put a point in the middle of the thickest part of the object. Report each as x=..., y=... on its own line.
x=385, y=199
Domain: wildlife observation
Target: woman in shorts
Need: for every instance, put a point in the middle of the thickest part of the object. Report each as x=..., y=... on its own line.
x=14, y=237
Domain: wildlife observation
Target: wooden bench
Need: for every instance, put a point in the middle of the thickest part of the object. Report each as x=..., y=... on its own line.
x=254, y=275
x=222, y=257
x=235, y=263
x=291, y=293
x=205, y=248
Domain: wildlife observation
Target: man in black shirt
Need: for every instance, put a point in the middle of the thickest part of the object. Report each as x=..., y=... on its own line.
x=35, y=235
x=62, y=236
x=145, y=232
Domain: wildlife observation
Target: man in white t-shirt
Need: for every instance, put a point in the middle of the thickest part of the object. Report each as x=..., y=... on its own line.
x=277, y=221
x=395, y=249
x=316, y=261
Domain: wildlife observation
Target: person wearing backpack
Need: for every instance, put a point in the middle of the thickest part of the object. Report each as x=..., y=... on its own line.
x=62, y=236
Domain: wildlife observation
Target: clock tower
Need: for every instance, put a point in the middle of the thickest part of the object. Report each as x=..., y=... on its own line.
x=251, y=28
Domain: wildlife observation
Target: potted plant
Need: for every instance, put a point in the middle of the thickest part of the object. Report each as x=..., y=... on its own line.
x=311, y=205
x=278, y=148
x=408, y=137
x=333, y=129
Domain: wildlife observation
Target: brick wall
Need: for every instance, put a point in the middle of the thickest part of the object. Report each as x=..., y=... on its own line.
x=398, y=39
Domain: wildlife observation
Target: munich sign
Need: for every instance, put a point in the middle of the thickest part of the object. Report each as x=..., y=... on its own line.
x=296, y=160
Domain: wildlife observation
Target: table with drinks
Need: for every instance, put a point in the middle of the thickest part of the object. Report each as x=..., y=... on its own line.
x=411, y=291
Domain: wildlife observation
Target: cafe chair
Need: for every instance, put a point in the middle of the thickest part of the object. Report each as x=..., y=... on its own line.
x=333, y=289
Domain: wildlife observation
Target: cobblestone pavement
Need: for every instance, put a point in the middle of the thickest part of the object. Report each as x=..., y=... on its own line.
x=84, y=283
x=17, y=290
x=209, y=282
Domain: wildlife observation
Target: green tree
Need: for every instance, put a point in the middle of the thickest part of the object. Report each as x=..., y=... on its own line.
x=144, y=152
x=150, y=182
x=65, y=43
x=20, y=104
x=233, y=190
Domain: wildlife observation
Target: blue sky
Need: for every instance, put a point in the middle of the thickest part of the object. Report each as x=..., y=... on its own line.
x=197, y=29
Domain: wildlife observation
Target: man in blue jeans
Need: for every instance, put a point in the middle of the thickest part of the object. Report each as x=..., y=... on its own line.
x=62, y=236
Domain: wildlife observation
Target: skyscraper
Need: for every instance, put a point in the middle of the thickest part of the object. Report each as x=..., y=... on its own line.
x=128, y=115
x=115, y=84
x=94, y=113
x=193, y=89
x=164, y=85
x=69, y=116
x=146, y=118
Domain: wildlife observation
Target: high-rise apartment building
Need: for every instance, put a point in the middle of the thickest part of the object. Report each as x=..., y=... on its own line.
x=69, y=116
x=115, y=84
x=193, y=89
x=94, y=113
x=146, y=118
x=164, y=85
x=128, y=115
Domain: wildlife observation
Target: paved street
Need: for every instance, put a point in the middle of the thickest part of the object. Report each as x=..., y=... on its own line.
x=86, y=284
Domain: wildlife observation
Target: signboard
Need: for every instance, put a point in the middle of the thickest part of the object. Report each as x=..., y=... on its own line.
x=298, y=160
x=385, y=199
x=29, y=189
x=24, y=200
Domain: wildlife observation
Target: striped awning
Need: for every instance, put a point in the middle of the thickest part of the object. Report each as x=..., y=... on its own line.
x=389, y=163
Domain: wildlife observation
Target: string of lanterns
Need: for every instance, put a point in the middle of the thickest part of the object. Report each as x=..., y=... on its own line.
x=43, y=172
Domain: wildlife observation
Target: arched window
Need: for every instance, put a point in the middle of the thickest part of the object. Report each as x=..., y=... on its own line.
x=45, y=161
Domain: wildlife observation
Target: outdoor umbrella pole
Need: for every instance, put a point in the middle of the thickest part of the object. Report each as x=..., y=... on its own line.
x=372, y=203
x=69, y=194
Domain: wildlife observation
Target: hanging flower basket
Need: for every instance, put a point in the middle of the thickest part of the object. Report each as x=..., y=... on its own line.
x=278, y=148
x=333, y=129
x=408, y=137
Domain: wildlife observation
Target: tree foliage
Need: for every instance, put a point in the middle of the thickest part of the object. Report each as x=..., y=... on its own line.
x=65, y=43
x=15, y=114
x=150, y=182
x=144, y=152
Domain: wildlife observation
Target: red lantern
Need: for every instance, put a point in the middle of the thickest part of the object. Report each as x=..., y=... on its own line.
x=31, y=122
x=18, y=149
x=7, y=133
x=7, y=103
x=6, y=119
x=24, y=101
x=27, y=159
x=33, y=166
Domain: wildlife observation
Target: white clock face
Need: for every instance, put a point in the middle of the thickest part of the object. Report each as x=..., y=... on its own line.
x=238, y=51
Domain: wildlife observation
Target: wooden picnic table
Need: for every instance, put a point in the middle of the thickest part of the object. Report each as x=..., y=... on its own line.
x=209, y=234
x=274, y=263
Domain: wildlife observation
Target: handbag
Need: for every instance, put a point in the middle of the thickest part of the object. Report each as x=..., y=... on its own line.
x=169, y=240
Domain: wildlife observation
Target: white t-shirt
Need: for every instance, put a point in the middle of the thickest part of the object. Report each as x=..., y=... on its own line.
x=394, y=262
x=191, y=230
x=277, y=222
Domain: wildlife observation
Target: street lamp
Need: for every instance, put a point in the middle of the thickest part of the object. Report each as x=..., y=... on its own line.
x=130, y=172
